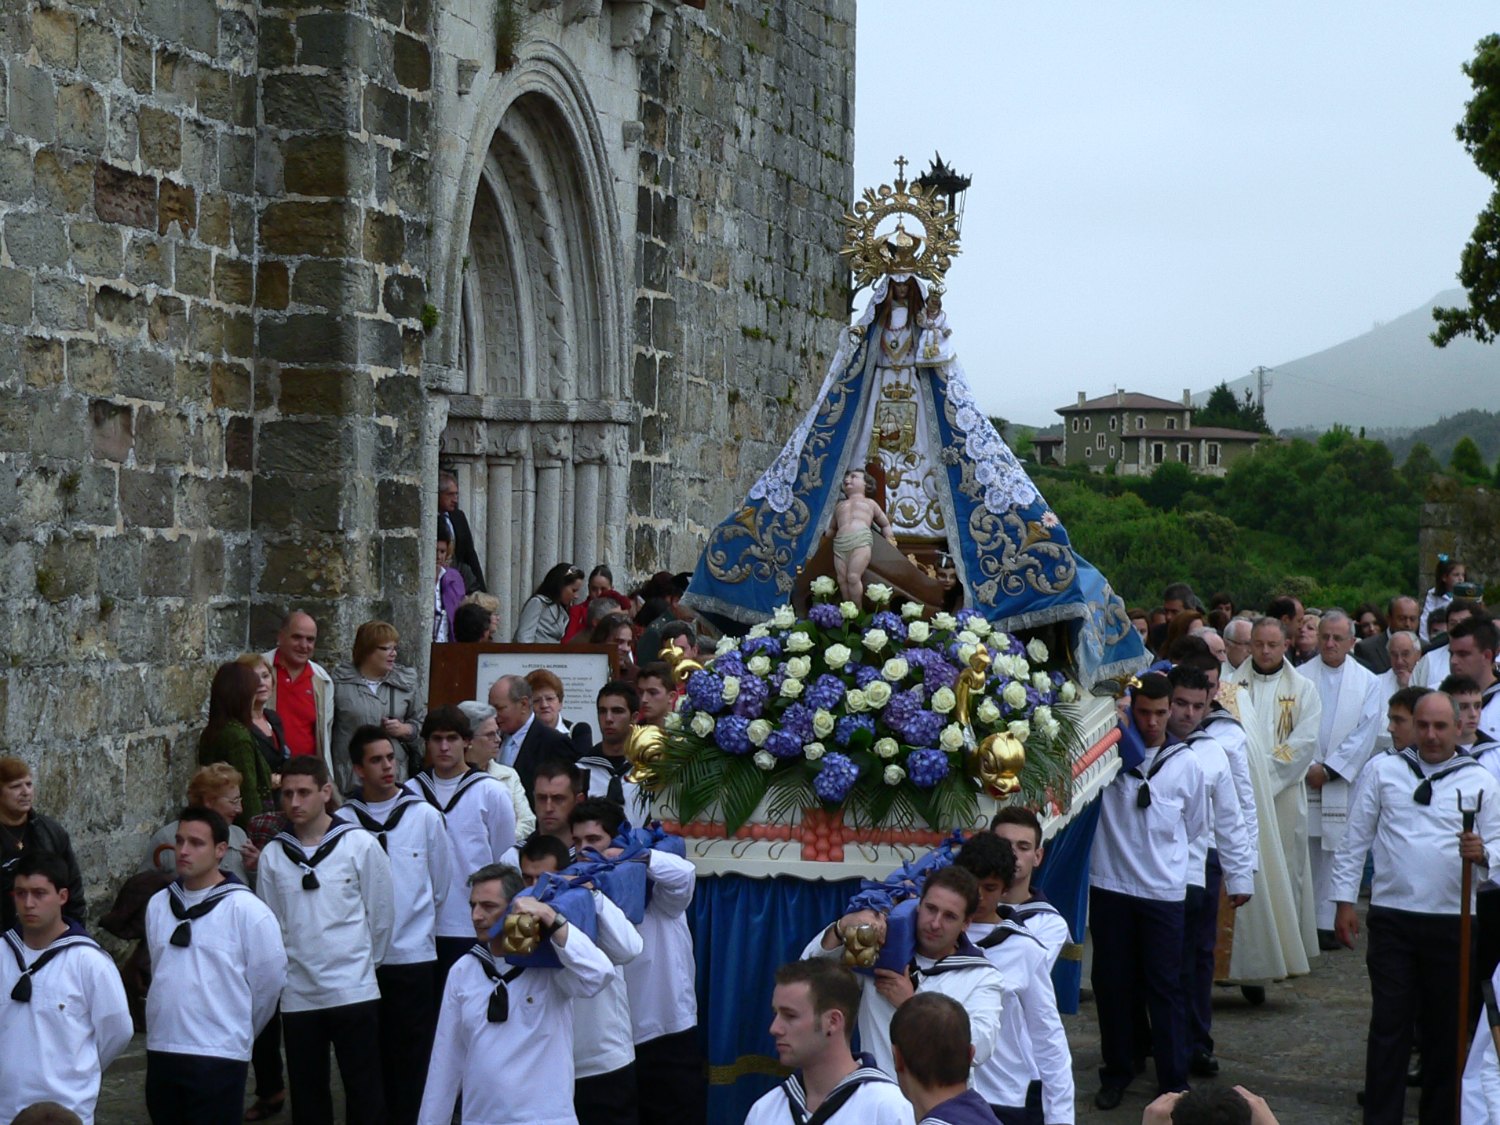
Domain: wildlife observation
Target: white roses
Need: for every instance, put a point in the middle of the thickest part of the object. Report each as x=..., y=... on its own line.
x=895, y=669
x=798, y=642
x=918, y=632
x=1036, y=650
x=703, y=724
x=893, y=775
x=731, y=688
x=836, y=656
x=758, y=731
x=875, y=639
x=1014, y=694
x=878, y=694
x=952, y=738
x=887, y=748
x=764, y=760
x=943, y=700
x=822, y=586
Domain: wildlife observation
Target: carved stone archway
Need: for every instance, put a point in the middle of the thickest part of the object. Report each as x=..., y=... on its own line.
x=538, y=436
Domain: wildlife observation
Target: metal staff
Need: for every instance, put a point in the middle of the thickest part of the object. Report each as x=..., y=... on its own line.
x=1463, y=946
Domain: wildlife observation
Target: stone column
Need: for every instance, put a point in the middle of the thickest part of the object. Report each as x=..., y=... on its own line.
x=501, y=485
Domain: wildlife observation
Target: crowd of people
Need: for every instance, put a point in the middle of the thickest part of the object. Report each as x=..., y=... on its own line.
x=332, y=886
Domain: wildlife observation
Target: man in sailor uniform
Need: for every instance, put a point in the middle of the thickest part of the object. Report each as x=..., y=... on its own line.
x=815, y=1005
x=606, y=768
x=662, y=981
x=604, y=1084
x=218, y=968
x=1028, y=906
x=478, y=814
x=63, y=1014
x=1406, y=810
x=933, y=1054
x=1138, y=876
x=329, y=885
x=412, y=835
x=1472, y=648
x=505, y=1033
x=1029, y=1078
x=944, y=960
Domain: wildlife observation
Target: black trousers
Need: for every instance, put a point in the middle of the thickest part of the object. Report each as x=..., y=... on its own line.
x=353, y=1031
x=1200, y=934
x=408, y=1021
x=194, y=1089
x=1028, y=1114
x=607, y=1099
x=1138, y=953
x=449, y=950
x=1487, y=945
x=1413, y=966
x=265, y=1059
x=671, y=1088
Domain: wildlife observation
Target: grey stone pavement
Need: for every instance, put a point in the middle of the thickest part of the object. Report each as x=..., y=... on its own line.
x=1303, y=1051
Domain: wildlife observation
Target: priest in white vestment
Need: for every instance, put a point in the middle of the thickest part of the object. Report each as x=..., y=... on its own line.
x=1288, y=717
x=1352, y=709
x=1405, y=651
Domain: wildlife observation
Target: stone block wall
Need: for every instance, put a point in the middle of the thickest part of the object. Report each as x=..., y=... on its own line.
x=745, y=173
x=127, y=233
x=1462, y=523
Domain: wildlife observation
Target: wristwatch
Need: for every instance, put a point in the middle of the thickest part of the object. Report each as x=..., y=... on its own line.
x=557, y=923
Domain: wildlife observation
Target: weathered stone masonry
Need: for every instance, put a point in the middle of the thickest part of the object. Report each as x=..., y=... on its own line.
x=248, y=254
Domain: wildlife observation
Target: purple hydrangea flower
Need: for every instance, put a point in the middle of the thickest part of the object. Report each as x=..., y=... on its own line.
x=900, y=710
x=730, y=664
x=865, y=675
x=825, y=616
x=926, y=767
x=769, y=645
x=844, y=730
x=732, y=734
x=838, y=775
x=825, y=693
x=784, y=744
x=939, y=674
x=891, y=623
x=923, y=728
x=797, y=720
x=706, y=692
x=752, y=698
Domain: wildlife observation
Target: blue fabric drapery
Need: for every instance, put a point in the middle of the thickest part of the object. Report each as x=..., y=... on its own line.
x=1064, y=879
x=743, y=929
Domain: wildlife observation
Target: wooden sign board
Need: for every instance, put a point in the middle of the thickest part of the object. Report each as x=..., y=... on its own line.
x=461, y=672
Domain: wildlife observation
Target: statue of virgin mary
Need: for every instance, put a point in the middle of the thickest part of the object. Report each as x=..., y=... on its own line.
x=896, y=399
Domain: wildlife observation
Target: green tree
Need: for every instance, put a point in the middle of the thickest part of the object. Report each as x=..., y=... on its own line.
x=1479, y=265
x=1467, y=462
x=1420, y=467
x=1223, y=409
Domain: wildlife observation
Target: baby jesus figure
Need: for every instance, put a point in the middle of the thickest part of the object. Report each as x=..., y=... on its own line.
x=853, y=522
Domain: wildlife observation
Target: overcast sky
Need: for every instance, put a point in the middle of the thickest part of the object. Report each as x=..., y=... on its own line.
x=1167, y=194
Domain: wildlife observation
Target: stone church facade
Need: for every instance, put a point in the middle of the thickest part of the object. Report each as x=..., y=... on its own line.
x=264, y=267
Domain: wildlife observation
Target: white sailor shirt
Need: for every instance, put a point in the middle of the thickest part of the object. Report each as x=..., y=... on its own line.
x=56, y=1045
x=662, y=981
x=481, y=825
x=473, y=1055
x=336, y=911
x=1031, y=1043
x=1143, y=850
x=603, y=1040
x=214, y=987
x=600, y=769
x=1045, y=921
x=1229, y=733
x=415, y=840
x=1489, y=712
x=1237, y=856
x=1417, y=865
x=966, y=975
x=864, y=1096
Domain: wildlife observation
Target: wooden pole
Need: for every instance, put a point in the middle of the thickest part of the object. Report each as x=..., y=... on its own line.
x=1464, y=928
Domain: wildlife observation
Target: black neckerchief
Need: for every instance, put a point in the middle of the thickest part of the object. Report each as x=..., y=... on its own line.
x=182, y=936
x=293, y=849
x=371, y=823
x=1163, y=756
x=617, y=768
x=1007, y=928
x=1423, y=793
x=73, y=935
x=426, y=779
x=966, y=955
x=499, y=1008
x=796, y=1094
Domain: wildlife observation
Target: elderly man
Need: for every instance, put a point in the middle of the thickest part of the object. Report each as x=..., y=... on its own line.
x=524, y=743
x=1351, y=710
x=1236, y=645
x=1401, y=615
x=1287, y=715
x=1406, y=810
x=301, y=690
x=453, y=518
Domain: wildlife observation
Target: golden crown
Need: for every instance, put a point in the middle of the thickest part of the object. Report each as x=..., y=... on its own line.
x=873, y=255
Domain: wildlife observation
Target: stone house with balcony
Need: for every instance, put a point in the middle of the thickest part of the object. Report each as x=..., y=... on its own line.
x=1138, y=432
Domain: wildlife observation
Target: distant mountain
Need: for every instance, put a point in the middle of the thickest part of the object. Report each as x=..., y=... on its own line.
x=1390, y=378
x=1440, y=437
